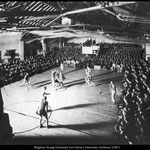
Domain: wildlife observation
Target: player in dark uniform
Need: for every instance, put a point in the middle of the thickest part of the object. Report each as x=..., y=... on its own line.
x=58, y=82
x=61, y=77
x=43, y=109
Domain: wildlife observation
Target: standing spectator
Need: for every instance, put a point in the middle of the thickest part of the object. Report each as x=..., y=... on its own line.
x=112, y=88
x=53, y=74
x=61, y=67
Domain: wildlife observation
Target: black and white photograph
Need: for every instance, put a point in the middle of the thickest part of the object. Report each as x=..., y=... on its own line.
x=74, y=74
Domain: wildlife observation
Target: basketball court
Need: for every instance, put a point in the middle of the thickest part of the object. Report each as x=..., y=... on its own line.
x=80, y=114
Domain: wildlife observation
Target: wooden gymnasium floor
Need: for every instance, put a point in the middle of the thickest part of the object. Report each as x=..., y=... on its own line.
x=80, y=114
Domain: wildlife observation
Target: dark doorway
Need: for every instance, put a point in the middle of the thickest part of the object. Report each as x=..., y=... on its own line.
x=31, y=49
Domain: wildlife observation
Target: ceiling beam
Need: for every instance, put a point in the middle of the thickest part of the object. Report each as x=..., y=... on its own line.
x=137, y=19
x=59, y=5
x=27, y=13
x=27, y=28
x=53, y=20
x=90, y=9
x=115, y=4
x=41, y=17
x=122, y=33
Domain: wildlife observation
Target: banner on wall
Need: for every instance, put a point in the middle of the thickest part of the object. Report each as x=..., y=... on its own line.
x=90, y=50
x=87, y=50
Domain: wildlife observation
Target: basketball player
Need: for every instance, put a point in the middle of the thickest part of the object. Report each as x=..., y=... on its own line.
x=43, y=108
x=26, y=81
x=61, y=76
x=88, y=69
x=58, y=81
x=88, y=78
x=45, y=91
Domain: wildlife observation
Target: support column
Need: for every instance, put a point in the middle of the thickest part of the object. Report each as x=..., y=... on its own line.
x=43, y=46
x=61, y=43
x=21, y=49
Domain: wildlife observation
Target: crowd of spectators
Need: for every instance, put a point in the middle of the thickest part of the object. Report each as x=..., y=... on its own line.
x=70, y=54
x=16, y=69
x=109, y=54
x=119, y=54
x=134, y=110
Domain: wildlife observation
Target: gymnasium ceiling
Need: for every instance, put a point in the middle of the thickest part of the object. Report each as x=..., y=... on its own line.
x=118, y=19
